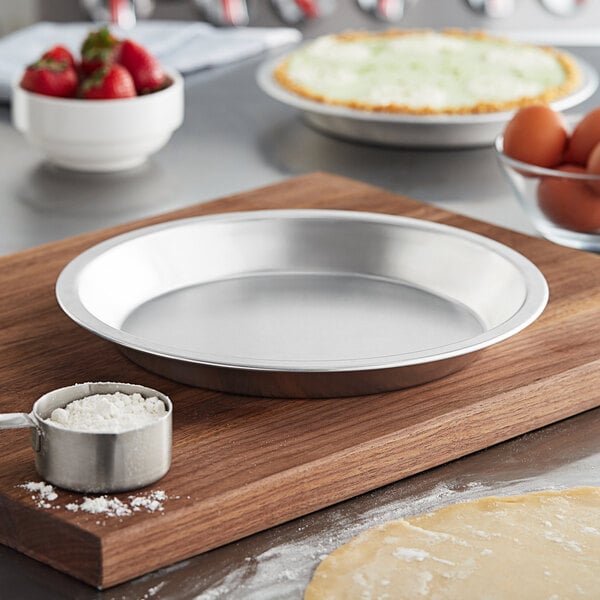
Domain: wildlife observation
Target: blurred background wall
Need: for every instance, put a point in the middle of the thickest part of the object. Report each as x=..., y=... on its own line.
x=542, y=14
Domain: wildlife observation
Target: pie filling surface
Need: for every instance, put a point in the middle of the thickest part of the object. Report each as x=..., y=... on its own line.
x=427, y=72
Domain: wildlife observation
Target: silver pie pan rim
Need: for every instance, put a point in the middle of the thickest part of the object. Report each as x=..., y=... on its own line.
x=532, y=307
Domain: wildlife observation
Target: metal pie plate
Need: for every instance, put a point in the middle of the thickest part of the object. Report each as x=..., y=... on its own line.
x=302, y=303
x=412, y=131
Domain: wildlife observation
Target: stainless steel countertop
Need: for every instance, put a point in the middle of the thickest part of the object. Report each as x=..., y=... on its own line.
x=234, y=138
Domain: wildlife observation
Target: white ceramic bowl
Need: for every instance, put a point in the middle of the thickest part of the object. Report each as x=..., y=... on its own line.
x=99, y=135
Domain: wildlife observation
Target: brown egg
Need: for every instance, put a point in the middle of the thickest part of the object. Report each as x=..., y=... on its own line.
x=569, y=203
x=536, y=135
x=585, y=136
x=593, y=168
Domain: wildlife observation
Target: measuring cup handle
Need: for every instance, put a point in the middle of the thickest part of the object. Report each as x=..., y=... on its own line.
x=16, y=421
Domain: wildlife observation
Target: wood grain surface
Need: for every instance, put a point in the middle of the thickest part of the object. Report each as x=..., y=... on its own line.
x=244, y=464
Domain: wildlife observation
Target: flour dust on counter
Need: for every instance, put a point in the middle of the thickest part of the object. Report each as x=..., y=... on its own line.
x=41, y=492
x=542, y=545
x=282, y=570
x=46, y=496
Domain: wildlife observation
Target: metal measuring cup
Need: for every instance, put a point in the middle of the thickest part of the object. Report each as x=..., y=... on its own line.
x=87, y=461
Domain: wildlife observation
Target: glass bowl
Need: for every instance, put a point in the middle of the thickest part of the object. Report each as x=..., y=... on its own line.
x=563, y=206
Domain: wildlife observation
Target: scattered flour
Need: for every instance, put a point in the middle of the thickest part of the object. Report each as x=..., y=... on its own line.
x=284, y=569
x=152, y=502
x=591, y=530
x=44, y=495
x=110, y=507
x=109, y=413
x=410, y=554
x=153, y=591
x=570, y=544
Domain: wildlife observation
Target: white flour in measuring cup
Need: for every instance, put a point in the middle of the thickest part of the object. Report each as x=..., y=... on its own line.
x=109, y=413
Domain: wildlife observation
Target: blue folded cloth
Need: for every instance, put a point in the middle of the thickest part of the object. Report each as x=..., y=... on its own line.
x=186, y=46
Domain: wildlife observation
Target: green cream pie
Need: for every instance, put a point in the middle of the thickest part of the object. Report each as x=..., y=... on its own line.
x=426, y=72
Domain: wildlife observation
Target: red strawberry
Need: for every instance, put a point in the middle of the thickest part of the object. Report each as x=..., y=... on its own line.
x=107, y=83
x=50, y=78
x=99, y=48
x=145, y=69
x=59, y=54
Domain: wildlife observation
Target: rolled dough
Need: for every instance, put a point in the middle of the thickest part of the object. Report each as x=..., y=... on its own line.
x=543, y=545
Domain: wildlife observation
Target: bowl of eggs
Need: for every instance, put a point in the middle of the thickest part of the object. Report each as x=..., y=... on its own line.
x=553, y=167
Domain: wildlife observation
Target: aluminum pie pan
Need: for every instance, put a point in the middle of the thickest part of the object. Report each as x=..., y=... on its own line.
x=302, y=303
x=408, y=130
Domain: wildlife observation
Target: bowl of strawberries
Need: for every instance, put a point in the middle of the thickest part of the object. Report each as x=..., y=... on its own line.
x=108, y=109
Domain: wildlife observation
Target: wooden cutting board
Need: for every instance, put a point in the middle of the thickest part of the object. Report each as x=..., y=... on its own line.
x=244, y=464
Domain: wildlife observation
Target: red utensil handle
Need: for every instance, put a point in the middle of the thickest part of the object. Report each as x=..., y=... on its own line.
x=309, y=7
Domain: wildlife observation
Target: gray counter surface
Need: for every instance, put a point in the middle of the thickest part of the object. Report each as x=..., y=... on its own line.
x=235, y=138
